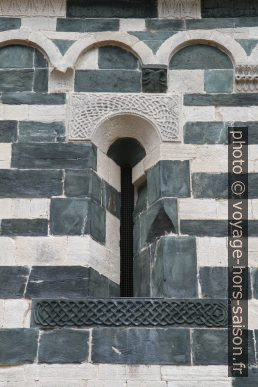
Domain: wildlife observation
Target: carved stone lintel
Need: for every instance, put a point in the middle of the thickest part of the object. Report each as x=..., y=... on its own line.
x=32, y=7
x=130, y=312
x=179, y=9
x=247, y=78
x=88, y=110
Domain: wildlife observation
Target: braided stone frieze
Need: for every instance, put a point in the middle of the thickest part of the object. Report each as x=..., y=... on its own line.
x=247, y=78
x=88, y=110
x=130, y=312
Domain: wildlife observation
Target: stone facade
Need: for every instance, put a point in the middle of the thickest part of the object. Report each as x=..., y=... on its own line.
x=75, y=76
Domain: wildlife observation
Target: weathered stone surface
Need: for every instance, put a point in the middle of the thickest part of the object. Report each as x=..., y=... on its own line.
x=229, y=8
x=206, y=133
x=248, y=45
x=81, y=183
x=214, y=282
x=255, y=283
x=208, y=24
x=16, y=80
x=111, y=199
x=251, y=381
x=207, y=185
x=9, y=23
x=152, y=39
x=8, y=131
x=212, y=228
x=33, y=131
x=166, y=25
x=141, y=346
x=40, y=60
x=74, y=156
x=24, y=227
x=77, y=217
x=112, y=57
x=18, y=346
x=120, y=8
x=16, y=56
x=175, y=261
x=221, y=100
x=210, y=347
x=141, y=202
x=40, y=80
x=218, y=81
x=30, y=183
x=63, y=44
x=141, y=274
x=252, y=130
x=200, y=56
x=114, y=81
x=154, y=79
x=63, y=346
x=27, y=98
x=87, y=25
x=168, y=179
x=13, y=280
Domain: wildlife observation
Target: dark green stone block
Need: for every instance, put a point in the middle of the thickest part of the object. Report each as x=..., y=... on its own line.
x=252, y=130
x=200, y=56
x=210, y=347
x=83, y=183
x=25, y=227
x=154, y=79
x=16, y=80
x=63, y=44
x=28, y=98
x=168, y=179
x=87, y=25
x=111, y=199
x=112, y=57
x=206, y=133
x=8, y=131
x=53, y=346
x=153, y=39
x=30, y=183
x=118, y=8
x=221, y=100
x=115, y=81
x=53, y=156
x=246, y=22
x=250, y=381
x=40, y=61
x=98, y=223
x=40, y=80
x=229, y=8
x=18, y=346
x=248, y=45
x=218, y=81
x=9, y=23
x=13, y=280
x=16, y=56
x=174, y=271
x=141, y=274
x=209, y=23
x=255, y=283
x=207, y=185
x=165, y=25
x=141, y=202
x=212, y=228
x=33, y=131
x=214, y=282
x=141, y=346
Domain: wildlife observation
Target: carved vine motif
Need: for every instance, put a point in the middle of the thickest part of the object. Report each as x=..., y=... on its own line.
x=32, y=7
x=179, y=9
x=130, y=312
x=87, y=111
x=247, y=78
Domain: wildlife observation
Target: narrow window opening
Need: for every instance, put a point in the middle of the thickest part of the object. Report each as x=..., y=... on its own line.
x=126, y=152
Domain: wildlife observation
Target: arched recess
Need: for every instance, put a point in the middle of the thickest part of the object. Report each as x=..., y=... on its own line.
x=214, y=38
x=37, y=40
x=98, y=39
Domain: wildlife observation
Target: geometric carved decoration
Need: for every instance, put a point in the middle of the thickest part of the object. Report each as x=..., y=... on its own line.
x=154, y=79
x=32, y=7
x=130, y=312
x=88, y=110
x=179, y=9
x=247, y=78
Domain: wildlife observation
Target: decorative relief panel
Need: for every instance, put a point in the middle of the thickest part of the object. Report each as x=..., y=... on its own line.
x=130, y=312
x=179, y=9
x=154, y=79
x=32, y=7
x=87, y=111
x=247, y=78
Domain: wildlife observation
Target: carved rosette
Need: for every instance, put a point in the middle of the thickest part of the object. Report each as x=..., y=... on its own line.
x=88, y=110
x=247, y=78
x=179, y=9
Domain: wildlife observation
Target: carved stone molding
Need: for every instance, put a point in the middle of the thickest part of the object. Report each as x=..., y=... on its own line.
x=179, y=9
x=88, y=111
x=32, y=7
x=130, y=312
x=247, y=78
